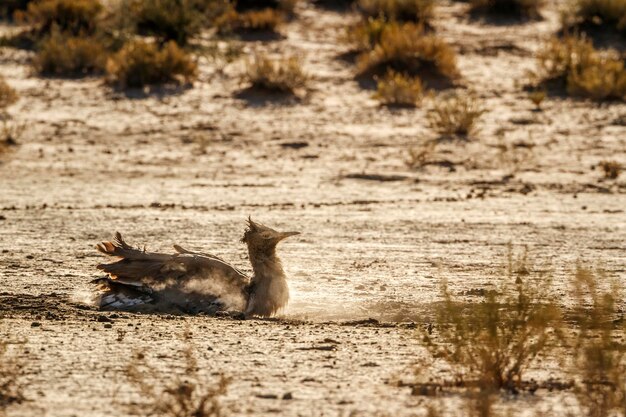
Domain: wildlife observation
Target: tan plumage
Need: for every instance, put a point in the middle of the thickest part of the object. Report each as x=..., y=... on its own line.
x=194, y=282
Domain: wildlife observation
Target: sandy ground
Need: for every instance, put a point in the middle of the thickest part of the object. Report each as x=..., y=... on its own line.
x=189, y=167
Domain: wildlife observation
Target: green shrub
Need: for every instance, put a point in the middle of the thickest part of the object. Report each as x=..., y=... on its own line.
x=406, y=48
x=282, y=75
x=512, y=8
x=139, y=64
x=396, y=89
x=573, y=63
x=78, y=17
x=66, y=55
x=404, y=10
x=8, y=95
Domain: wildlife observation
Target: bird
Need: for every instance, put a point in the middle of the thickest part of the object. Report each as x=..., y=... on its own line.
x=191, y=282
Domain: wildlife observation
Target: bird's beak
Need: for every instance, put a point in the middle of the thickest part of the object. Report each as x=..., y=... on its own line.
x=283, y=235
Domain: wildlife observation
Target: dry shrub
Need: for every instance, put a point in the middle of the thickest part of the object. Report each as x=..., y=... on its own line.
x=575, y=64
x=66, y=55
x=455, y=115
x=77, y=17
x=511, y=8
x=140, y=63
x=404, y=10
x=611, y=169
x=364, y=35
x=604, y=14
x=180, y=397
x=600, y=346
x=421, y=155
x=176, y=20
x=263, y=20
x=281, y=75
x=490, y=344
x=8, y=95
x=406, y=48
x=396, y=89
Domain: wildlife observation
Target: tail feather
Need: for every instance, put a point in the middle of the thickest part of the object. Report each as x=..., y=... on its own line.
x=121, y=249
x=121, y=296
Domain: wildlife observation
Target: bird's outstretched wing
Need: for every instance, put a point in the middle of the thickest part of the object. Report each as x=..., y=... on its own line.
x=186, y=273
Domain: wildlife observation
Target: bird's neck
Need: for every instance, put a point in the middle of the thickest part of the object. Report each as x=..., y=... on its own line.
x=266, y=265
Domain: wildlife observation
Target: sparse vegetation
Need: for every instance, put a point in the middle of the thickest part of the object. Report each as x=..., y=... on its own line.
x=455, y=115
x=600, y=347
x=140, y=63
x=611, y=169
x=282, y=75
x=77, y=17
x=406, y=48
x=176, y=20
x=8, y=95
x=263, y=20
x=180, y=397
x=491, y=344
x=66, y=55
x=396, y=89
x=573, y=63
x=420, y=11
x=509, y=8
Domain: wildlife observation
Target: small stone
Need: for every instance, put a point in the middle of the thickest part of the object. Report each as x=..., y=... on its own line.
x=288, y=396
x=104, y=319
x=108, y=326
x=35, y=324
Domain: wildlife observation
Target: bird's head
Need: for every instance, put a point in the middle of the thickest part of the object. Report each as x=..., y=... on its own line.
x=262, y=239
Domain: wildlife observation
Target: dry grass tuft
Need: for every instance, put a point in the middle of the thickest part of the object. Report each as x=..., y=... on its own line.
x=509, y=8
x=78, y=17
x=406, y=48
x=364, y=35
x=396, y=89
x=180, y=397
x=8, y=95
x=575, y=64
x=420, y=11
x=455, y=115
x=281, y=75
x=66, y=55
x=490, y=344
x=611, y=169
x=263, y=20
x=140, y=64
x=602, y=14
x=600, y=347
